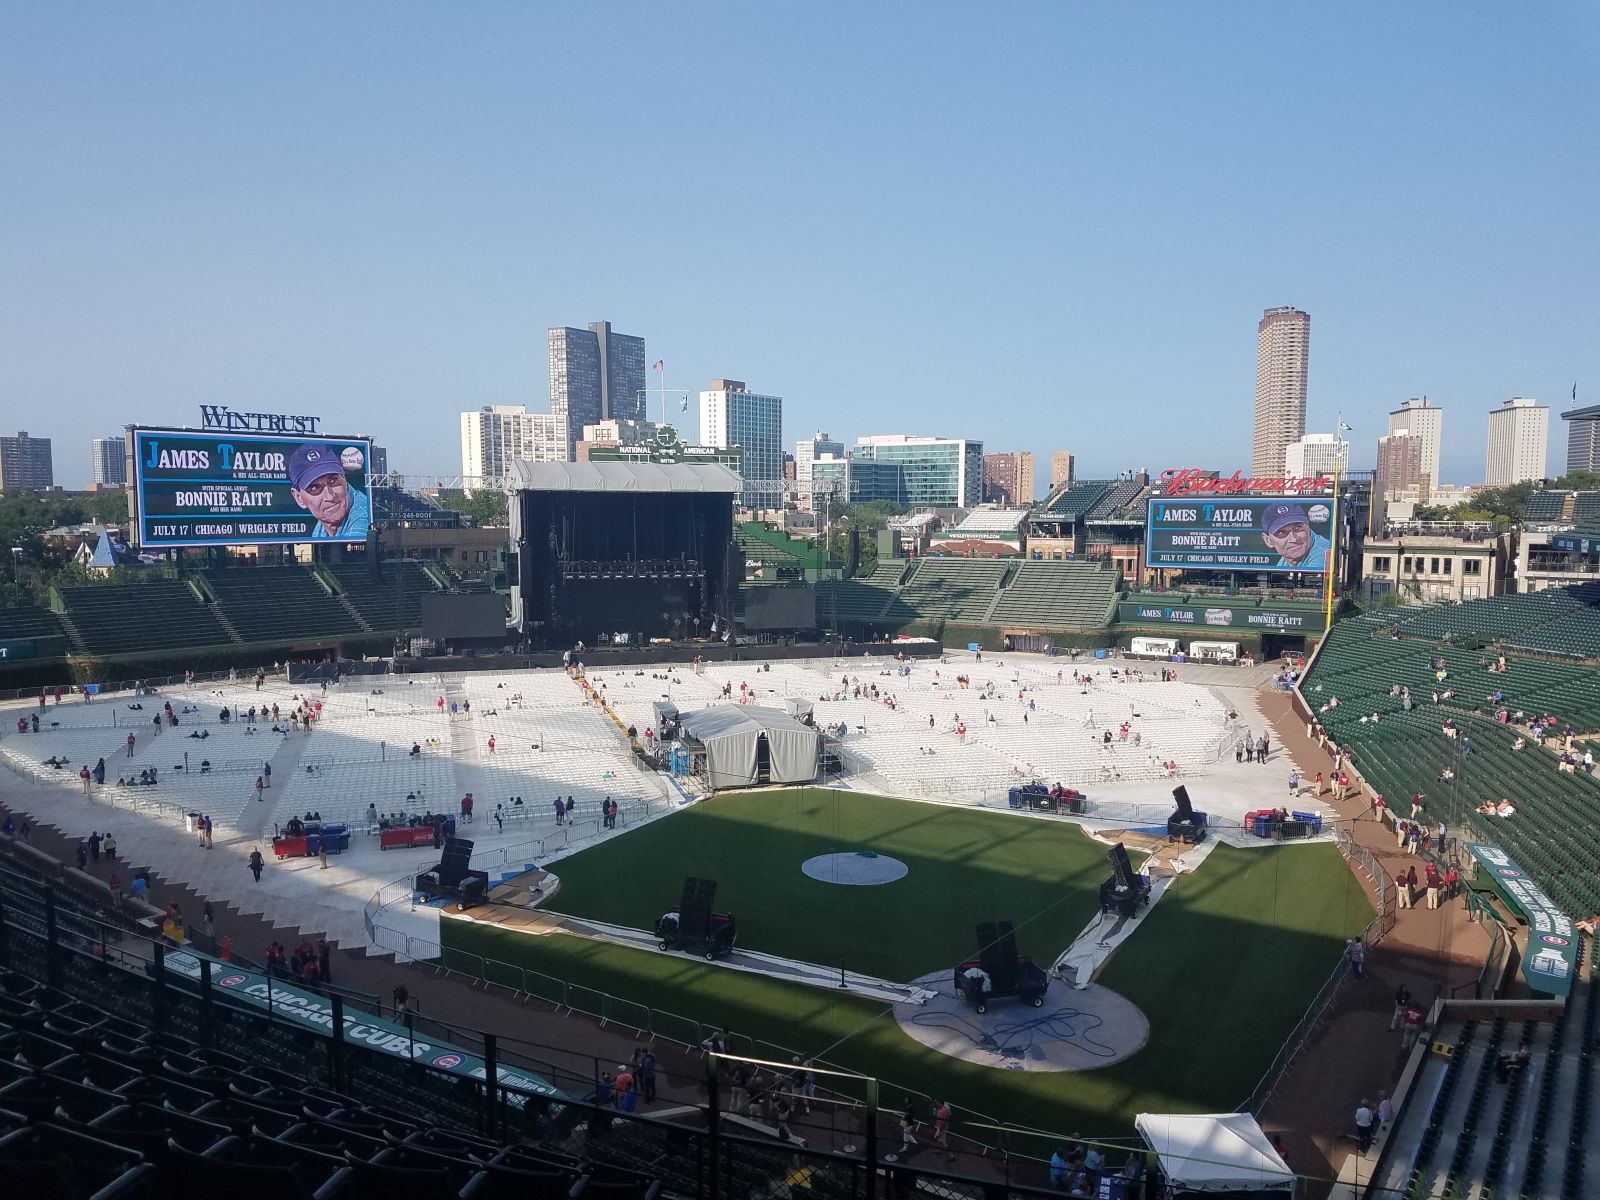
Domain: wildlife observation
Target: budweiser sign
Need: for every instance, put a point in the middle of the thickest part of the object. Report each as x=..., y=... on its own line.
x=1190, y=481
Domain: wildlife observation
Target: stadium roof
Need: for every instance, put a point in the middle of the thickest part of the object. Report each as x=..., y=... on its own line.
x=624, y=477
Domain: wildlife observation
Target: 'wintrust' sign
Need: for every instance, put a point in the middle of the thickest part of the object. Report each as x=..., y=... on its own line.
x=223, y=419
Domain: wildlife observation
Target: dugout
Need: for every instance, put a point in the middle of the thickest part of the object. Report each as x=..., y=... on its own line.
x=742, y=745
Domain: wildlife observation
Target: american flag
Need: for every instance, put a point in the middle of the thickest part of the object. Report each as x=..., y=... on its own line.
x=659, y=365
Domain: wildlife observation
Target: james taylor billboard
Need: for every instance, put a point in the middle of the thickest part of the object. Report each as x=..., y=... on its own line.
x=222, y=489
x=1240, y=533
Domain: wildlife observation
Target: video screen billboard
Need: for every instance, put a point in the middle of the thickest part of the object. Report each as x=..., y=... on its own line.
x=220, y=489
x=1240, y=533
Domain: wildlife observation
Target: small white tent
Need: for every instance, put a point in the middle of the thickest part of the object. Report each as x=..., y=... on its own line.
x=1219, y=1152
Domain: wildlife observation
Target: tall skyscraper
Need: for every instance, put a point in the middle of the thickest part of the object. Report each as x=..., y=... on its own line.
x=25, y=463
x=1023, y=492
x=937, y=472
x=1518, y=434
x=806, y=452
x=1399, y=465
x=495, y=436
x=1063, y=469
x=1583, y=438
x=1316, y=454
x=732, y=415
x=108, y=457
x=595, y=375
x=1423, y=421
x=1283, y=348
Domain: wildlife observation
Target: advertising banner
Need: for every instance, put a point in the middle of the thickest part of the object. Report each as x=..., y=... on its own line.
x=1550, y=961
x=1219, y=613
x=220, y=489
x=1240, y=533
x=313, y=1012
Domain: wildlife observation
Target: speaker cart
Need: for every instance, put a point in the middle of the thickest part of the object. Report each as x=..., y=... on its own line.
x=1008, y=975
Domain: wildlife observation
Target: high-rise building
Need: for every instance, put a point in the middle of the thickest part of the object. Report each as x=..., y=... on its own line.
x=1518, y=434
x=1399, y=466
x=732, y=415
x=1283, y=348
x=493, y=437
x=1583, y=438
x=25, y=463
x=857, y=480
x=1316, y=454
x=938, y=472
x=1008, y=478
x=999, y=477
x=1423, y=421
x=1024, y=493
x=595, y=375
x=807, y=451
x=1063, y=469
x=109, y=459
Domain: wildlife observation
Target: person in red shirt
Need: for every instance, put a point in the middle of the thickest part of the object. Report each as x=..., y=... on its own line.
x=466, y=805
x=1434, y=882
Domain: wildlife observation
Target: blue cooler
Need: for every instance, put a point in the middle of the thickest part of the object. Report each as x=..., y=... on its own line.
x=1313, y=820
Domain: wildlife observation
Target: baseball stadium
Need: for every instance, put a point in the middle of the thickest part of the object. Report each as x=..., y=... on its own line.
x=682, y=859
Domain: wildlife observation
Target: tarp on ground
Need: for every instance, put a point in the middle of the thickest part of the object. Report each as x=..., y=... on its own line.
x=1216, y=1152
x=731, y=735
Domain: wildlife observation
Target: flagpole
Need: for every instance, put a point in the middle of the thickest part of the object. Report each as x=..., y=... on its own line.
x=1333, y=541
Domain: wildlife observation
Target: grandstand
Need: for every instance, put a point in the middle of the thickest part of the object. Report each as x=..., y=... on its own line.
x=1058, y=595
x=1556, y=830
x=395, y=601
x=1474, y=1124
x=1519, y=621
x=153, y=616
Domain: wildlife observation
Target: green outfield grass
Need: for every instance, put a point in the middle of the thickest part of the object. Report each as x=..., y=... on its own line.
x=1223, y=968
x=964, y=866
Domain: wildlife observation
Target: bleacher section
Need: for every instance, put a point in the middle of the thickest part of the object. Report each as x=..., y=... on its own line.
x=163, y=615
x=1545, y=507
x=1518, y=621
x=1556, y=830
x=1118, y=497
x=1585, y=508
x=19, y=621
x=280, y=604
x=956, y=589
x=865, y=599
x=1058, y=595
x=1479, y=1123
x=399, y=595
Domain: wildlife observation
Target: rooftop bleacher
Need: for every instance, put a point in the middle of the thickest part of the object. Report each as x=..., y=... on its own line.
x=1545, y=506
x=1110, y=506
x=1074, y=500
x=138, y=619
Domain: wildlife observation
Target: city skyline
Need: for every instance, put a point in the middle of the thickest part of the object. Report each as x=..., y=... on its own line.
x=389, y=250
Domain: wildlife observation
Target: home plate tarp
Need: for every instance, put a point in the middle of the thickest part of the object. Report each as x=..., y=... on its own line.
x=732, y=733
x=1219, y=1152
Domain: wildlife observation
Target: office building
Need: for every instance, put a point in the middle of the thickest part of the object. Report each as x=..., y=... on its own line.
x=1583, y=438
x=1316, y=454
x=938, y=472
x=1425, y=422
x=493, y=437
x=1063, y=469
x=1008, y=478
x=1283, y=348
x=109, y=460
x=807, y=450
x=848, y=478
x=732, y=415
x=595, y=375
x=1399, y=466
x=25, y=463
x=1518, y=433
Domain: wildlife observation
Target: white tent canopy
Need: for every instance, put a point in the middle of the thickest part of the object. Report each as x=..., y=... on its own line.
x=1219, y=1152
x=731, y=733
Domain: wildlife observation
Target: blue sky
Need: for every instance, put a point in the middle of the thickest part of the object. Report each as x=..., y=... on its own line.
x=1041, y=225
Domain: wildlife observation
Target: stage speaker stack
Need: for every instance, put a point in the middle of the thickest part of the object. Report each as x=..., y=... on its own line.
x=1125, y=891
x=997, y=952
x=1185, y=824
x=375, y=553
x=694, y=907
x=852, y=557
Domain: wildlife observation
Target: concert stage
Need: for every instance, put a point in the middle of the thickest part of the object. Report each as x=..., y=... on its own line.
x=622, y=551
